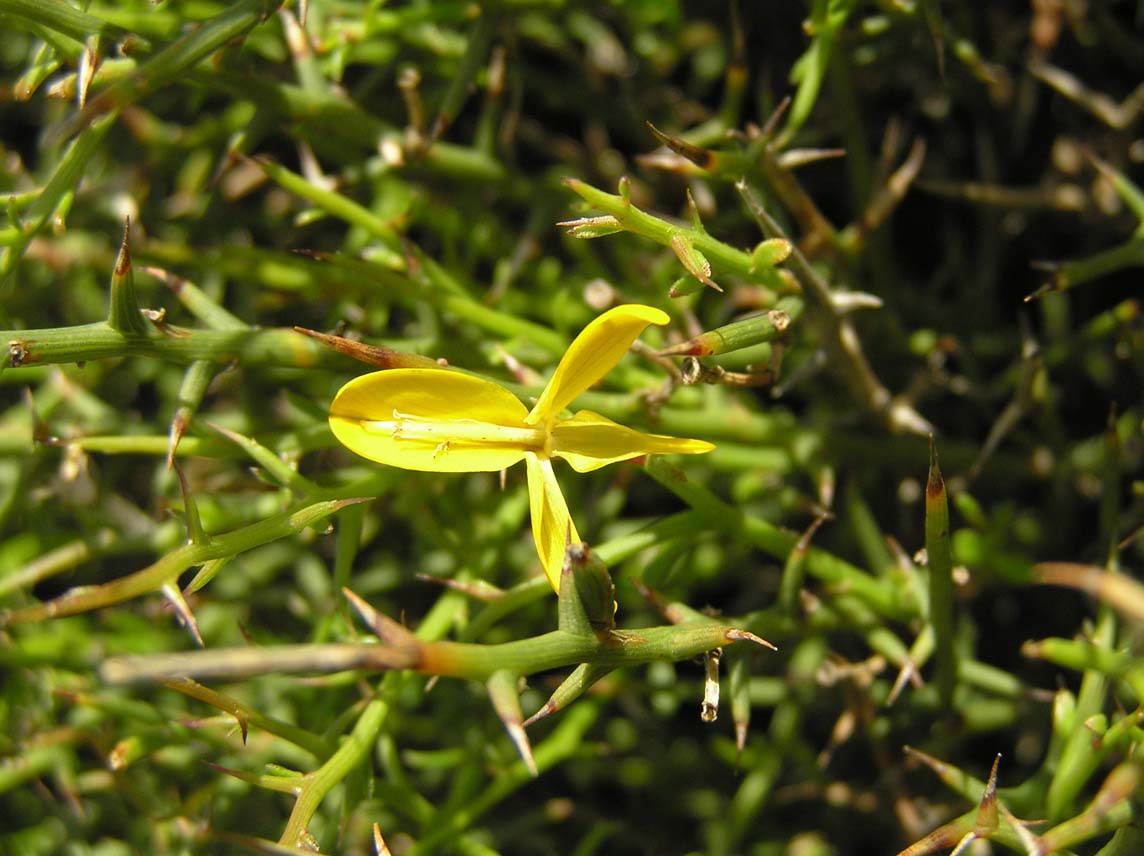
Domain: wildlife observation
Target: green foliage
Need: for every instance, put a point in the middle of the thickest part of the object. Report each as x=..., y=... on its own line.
x=473, y=183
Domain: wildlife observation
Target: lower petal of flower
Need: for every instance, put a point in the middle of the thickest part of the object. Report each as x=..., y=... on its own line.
x=552, y=525
x=435, y=420
x=588, y=441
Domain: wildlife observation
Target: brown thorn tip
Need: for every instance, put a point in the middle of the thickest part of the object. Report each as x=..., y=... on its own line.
x=183, y=611
x=356, y=500
x=547, y=710
x=123, y=260
x=520, y=740
x=734, y=634
x=367, y=612
x=178, y=429
x=384, y=627
x=991, y=785
x=233, y=436
x=379, y=842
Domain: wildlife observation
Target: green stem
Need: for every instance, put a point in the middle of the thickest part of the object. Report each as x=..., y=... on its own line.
x=778, y=543
x=940, y=579
x=33, y=763
x=300, y=737
x=363, y=738
x=662, y=232
x=563, y=743
x=87, y=342
x=349, y=755
x=839, y=334
x=54, y=196
x=452, y=659
x=168, y=568
x=1073, y=273
x=1084, y=656
x=338, y=206
x=60, y=17
x=177, y=58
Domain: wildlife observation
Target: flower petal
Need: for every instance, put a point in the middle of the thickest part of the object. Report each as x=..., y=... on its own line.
x=589, y=441
x=592, y=354
x=458, y=418
x=551, y=523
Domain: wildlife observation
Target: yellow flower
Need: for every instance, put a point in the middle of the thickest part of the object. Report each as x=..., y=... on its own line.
x=444, y=421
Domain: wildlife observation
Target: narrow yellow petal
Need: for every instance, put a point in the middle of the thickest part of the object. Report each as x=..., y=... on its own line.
x=432, y=419
x=592, y=354
x=551, y=523
x=589, y=441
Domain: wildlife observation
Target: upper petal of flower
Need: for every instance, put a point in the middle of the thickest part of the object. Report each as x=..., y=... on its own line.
x=592, y=354
x=432, y=419
x=589, y=441
x=552, y=525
